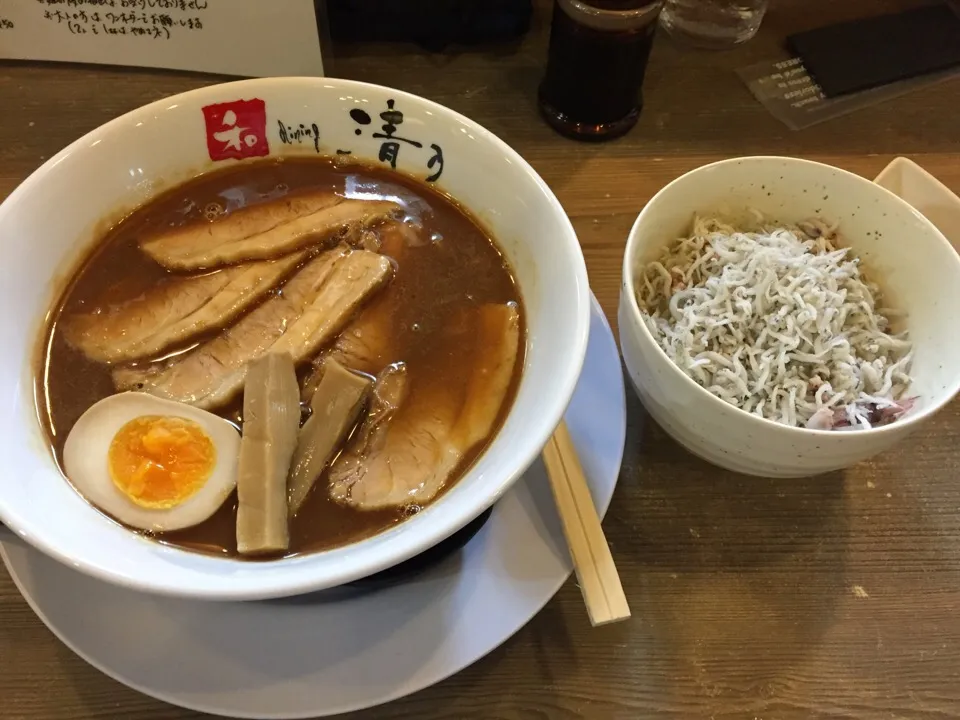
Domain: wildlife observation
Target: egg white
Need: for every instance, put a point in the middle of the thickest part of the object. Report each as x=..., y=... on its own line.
x=86, y=462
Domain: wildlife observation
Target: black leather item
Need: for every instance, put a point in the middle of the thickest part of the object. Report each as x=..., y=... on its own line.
x=866, y=53
x=433, y=24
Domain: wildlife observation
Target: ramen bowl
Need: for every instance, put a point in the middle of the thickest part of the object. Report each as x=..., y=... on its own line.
x=911, y=261
x=49, y=223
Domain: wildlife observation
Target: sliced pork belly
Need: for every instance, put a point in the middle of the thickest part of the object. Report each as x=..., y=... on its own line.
x=497, y=344
x=405, y=456
x=307, y=313
x=389, y=394
x=175, y=311
x=265, y=230
x=365, y=345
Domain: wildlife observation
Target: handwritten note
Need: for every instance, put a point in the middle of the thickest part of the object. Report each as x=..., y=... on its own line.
x=231, y=37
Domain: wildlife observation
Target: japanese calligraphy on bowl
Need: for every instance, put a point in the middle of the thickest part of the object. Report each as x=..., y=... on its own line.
x=237, y=130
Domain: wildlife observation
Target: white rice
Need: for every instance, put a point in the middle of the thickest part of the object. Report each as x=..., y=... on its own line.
x=780, y=323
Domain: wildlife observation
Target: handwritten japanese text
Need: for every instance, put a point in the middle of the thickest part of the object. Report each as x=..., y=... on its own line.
x=157, y=19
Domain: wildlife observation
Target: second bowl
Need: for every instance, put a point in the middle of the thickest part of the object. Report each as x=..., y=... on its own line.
x=910, y=259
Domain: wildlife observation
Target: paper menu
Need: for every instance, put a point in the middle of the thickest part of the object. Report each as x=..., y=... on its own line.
x=256, y=38
x=792, y=96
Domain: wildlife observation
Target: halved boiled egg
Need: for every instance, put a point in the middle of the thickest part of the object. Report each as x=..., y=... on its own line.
x=152, y=464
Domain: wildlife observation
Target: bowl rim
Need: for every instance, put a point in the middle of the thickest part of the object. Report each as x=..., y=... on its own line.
x=636, y=314
x=300, y=574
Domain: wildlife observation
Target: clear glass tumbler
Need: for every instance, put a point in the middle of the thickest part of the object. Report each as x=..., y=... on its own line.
x=713, y=23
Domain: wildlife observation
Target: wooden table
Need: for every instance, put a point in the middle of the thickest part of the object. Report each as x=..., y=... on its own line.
x=757, y=599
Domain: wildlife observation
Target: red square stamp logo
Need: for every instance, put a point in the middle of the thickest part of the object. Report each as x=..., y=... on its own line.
x=237, y=130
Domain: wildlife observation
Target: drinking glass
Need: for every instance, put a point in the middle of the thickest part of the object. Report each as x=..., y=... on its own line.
x=713, y=23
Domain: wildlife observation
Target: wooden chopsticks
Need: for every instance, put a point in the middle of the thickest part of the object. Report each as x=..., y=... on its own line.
x=596, y=572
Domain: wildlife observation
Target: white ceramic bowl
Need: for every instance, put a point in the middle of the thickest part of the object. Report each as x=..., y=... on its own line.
x=49, y=222
x=914, y=263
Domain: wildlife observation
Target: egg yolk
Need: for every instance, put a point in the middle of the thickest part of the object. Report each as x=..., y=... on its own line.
x=159, y=461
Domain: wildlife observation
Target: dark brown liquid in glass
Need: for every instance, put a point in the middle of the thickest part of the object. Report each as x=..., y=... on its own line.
x=593, y=87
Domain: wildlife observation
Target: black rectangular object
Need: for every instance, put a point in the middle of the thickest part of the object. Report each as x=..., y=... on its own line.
x=862, y=54
x=433, y=24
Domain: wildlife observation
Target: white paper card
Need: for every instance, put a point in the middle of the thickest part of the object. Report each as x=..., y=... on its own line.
x=231, y=37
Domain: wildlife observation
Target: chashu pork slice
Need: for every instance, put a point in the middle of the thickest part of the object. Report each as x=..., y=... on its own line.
x=408, y=448
x=266, y=230
x=307, y=313
x=174, y=311
x=366, y=344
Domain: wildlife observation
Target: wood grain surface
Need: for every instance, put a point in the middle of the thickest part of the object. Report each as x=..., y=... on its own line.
x=829, y=597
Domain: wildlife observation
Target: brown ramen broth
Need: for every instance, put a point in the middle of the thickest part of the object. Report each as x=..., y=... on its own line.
x=444, y=265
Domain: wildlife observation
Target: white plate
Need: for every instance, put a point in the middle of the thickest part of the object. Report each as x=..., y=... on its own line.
x=341, y=650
